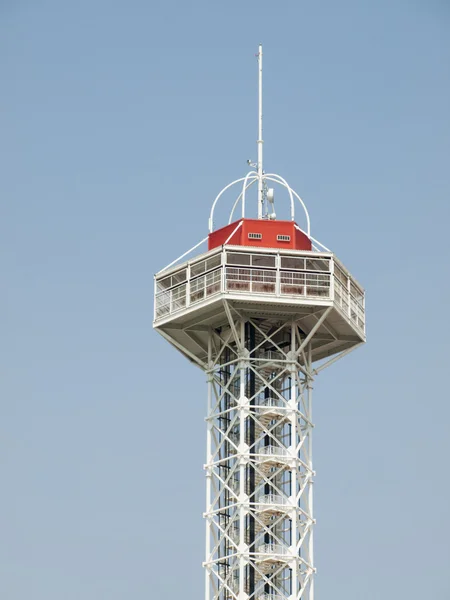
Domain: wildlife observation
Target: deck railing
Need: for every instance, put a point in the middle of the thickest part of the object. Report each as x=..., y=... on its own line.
x=272, y=275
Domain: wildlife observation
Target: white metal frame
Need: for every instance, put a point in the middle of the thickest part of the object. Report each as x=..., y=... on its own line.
x=259, y=514
x=259, y=471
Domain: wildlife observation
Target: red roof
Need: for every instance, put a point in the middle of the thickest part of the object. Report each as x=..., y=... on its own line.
x=260, y=232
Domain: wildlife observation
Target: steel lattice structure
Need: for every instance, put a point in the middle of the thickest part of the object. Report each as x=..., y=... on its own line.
x=259, y=518
x=262, y=312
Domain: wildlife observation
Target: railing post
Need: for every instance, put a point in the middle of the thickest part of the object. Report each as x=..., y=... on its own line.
x=188, y=285
x=364, y=312
x=349, y=297
x=155, y=298
x=278, y=274
x=332, y=279
x=223, y=263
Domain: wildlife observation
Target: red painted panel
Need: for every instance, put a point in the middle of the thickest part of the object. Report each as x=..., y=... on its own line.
x=302, y=241
x=220, y=236
x=269, y=230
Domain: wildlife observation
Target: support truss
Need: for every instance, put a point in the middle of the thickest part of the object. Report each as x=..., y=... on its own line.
x=259, y=514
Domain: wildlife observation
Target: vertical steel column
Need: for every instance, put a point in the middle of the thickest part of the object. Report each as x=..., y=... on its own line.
x=310, y=548
x=249, y=346
x=243, y=451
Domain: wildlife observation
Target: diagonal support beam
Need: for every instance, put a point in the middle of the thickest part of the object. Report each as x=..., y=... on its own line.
x=336, y=358
x=310, y=335
x=203, y=366
x=232, y=325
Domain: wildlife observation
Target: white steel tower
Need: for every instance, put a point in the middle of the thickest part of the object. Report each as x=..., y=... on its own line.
x=262, y=312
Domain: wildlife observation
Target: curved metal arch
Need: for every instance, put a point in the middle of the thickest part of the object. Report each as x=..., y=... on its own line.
x=281, y=181
x=211, y=214
x=306, y=212
x=253, y=176
x=249, y=185
x=278, y=179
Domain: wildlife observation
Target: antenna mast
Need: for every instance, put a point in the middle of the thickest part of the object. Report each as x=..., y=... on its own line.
x=260, y=136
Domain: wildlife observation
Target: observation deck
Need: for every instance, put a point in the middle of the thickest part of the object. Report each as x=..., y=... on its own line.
x=271, y=283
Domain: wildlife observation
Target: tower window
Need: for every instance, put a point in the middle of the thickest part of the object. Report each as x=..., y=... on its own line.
x=255, y=236
x=283, y=238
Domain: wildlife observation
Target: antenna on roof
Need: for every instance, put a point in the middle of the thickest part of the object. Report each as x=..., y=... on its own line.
x=265, y=199
x=260, y=137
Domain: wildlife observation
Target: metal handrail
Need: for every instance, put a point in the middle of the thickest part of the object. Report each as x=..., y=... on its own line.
x=275, y=499
x=273, y=451
x=273, y=549
x=268, y=403
x=270, y=281
x=271, y=402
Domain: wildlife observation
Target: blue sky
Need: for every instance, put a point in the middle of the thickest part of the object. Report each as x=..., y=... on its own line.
x=120, y=123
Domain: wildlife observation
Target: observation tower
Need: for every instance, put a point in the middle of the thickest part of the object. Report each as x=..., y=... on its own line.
x=264, y=310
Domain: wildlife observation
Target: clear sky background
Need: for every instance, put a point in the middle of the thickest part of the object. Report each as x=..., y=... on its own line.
x=120, y=122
